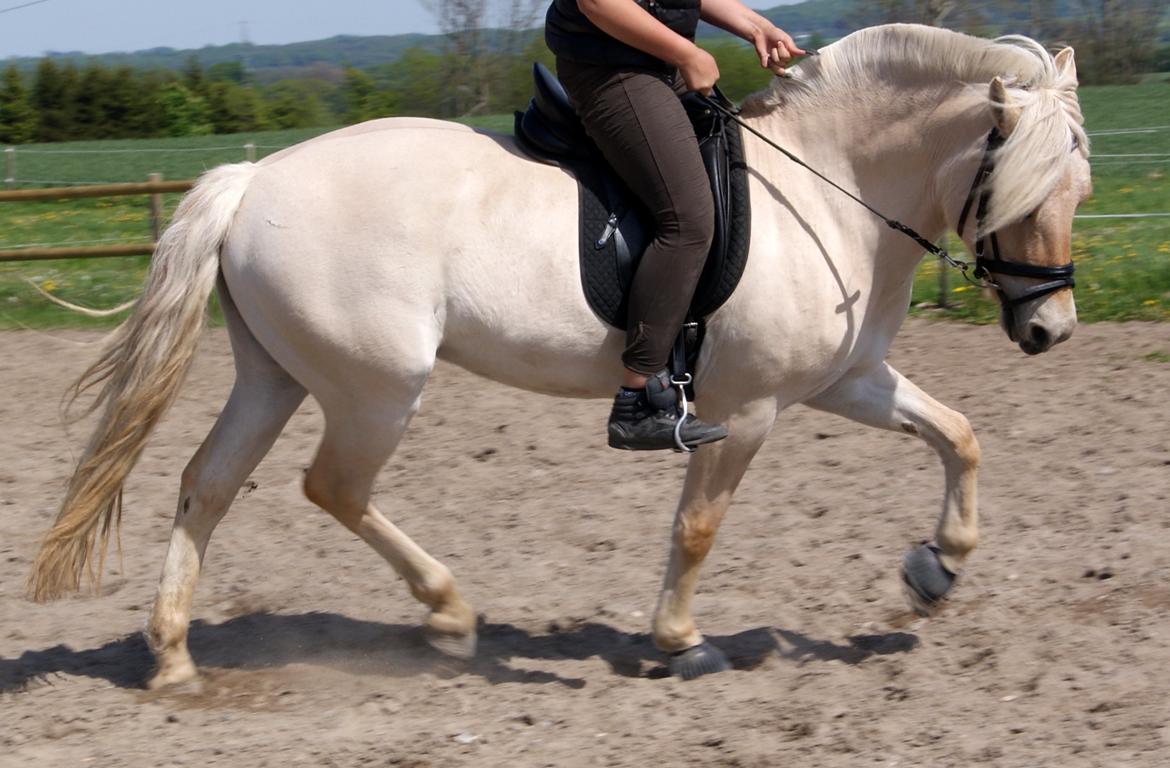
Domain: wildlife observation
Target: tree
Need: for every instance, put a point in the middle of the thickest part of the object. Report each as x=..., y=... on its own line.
x=17, y=120
x=1116, y=40
x=476, y=65
x=193, y=77
x=234, y=108
x=296, y=104
x=53, y=99
x=417, y=80
x=360, y=96
x=183, y=113
x=93, y=107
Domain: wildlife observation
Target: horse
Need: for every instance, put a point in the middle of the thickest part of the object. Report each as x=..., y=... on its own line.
x=348, y=264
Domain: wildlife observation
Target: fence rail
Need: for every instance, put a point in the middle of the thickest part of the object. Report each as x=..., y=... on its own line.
x=155, y=188
x=94, y=190
x=87, y=252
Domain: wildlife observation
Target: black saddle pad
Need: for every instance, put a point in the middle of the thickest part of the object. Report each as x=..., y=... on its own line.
x=614, y=228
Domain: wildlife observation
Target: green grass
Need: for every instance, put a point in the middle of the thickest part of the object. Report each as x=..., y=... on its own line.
x=1123, y=265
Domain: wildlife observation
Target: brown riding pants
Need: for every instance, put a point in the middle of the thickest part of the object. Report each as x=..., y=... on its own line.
x=637, y=121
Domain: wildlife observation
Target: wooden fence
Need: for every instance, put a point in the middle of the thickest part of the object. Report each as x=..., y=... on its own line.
x=155, y=188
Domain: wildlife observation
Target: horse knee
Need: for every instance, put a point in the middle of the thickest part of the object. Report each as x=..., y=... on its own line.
x=696, y=534
x=966, y=446
x=955, y=437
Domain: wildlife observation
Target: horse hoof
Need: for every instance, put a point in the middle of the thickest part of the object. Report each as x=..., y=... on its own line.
x=925, y=580
x=448, y=644
x=702, y=659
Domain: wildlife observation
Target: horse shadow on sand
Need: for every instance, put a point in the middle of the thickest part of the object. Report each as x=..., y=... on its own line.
x=259, y=641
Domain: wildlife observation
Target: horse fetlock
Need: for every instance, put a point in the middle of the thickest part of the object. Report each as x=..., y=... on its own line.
x=436, y=588
x=673, y=636
x=451, y=631
x=955, y=543
x=173, y=667
x=455, y=617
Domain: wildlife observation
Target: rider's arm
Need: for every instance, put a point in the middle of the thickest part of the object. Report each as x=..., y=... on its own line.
x=628, y=22
x=773, y=44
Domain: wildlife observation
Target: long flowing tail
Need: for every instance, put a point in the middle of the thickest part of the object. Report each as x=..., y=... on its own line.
x=142, y=365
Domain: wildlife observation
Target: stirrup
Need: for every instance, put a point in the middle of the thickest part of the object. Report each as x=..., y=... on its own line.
x=683, y=411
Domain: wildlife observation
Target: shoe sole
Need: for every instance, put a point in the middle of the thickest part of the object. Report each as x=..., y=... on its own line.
x=636, y=446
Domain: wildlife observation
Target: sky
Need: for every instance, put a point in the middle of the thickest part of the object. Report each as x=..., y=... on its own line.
x=104, y=26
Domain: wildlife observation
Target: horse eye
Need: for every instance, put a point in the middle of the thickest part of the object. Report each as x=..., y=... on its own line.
x=1076, y=143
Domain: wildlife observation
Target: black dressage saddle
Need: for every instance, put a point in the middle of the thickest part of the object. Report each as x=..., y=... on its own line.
x=614, y=229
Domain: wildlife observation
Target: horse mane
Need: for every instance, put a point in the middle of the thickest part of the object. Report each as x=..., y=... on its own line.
x=866, y=64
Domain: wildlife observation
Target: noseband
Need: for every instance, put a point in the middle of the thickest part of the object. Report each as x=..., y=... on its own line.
x=1058, y=277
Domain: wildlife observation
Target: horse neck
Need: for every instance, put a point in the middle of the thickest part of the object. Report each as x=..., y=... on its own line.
x=890, y=147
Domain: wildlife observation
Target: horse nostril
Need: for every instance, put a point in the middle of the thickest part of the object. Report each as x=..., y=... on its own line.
x=1039, y=336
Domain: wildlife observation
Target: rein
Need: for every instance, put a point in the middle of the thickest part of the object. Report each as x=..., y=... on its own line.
x=978, y=273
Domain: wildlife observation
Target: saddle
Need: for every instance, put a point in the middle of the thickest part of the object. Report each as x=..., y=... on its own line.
x=614, y=228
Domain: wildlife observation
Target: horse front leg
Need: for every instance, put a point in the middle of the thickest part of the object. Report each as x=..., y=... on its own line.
x=712, y=476
x=885, y=398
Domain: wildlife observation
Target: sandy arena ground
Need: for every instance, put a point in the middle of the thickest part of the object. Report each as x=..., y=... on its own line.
x=1054, y=651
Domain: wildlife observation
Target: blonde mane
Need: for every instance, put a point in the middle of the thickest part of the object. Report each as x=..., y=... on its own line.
x=867, y=63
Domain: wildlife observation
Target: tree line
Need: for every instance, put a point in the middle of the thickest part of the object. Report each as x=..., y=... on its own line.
x=67, y=102
x=476, y=70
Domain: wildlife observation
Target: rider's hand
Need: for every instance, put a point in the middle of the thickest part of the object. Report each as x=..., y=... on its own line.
x=775, y=48
x=699, y=70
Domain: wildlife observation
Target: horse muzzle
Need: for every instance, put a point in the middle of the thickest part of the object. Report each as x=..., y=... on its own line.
x=1042, y=324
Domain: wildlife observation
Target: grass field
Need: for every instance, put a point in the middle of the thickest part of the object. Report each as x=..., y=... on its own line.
x=1123, y=265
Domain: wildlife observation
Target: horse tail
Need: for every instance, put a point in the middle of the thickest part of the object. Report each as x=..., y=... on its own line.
x=142, y=365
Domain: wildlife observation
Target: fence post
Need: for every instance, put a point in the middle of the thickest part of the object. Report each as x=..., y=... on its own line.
x=9, y=167
x=155, y=208
x=944, y=285
x=250, y=152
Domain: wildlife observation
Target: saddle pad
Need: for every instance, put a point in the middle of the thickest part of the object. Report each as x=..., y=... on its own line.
x=614, y=230
x=608, y=271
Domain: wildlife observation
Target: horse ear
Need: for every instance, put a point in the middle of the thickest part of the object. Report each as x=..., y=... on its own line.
x=1066, y=63
x=1003, y=109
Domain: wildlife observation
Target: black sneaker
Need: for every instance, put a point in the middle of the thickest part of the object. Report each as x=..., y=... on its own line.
x=645, y=420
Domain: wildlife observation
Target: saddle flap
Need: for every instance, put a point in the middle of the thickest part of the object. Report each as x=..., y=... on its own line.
x=614, y=229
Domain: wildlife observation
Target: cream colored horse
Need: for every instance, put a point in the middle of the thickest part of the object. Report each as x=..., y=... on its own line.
x=346, y=265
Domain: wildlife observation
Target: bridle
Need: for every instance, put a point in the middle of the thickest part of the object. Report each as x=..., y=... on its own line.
x=981, y=272
x=1058, y=277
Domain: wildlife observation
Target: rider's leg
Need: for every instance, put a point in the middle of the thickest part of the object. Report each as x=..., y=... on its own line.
x=640, y=126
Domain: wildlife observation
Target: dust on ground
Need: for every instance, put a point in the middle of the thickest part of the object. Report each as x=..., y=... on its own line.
x=1053, y=651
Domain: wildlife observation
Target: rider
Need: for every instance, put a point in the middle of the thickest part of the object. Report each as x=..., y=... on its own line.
x=624, y=63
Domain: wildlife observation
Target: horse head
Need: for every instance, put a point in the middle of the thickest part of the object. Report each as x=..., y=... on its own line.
x=1033, y=175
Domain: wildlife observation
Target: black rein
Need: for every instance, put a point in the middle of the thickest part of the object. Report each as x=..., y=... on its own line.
x=984, y=267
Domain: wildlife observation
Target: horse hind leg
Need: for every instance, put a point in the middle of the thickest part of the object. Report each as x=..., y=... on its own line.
x=359, y=438
x=886, y=399
x=262, y=400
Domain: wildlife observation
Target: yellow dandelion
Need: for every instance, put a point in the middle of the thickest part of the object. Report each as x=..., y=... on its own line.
x=49, y=285
x=1150, y=302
